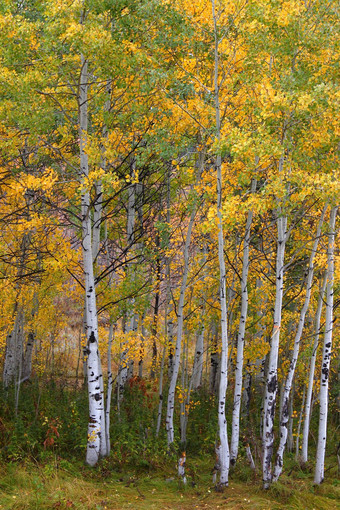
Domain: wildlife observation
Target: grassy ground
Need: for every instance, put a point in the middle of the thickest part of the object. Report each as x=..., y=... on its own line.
x=59, y=484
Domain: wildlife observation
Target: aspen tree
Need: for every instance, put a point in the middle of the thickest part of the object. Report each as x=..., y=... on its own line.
x=222, y=421
x=326, y=353
x=180, y=320
x=271, y=379
x=295, y=354
x=96, y=427
x=311, y=371
x=235, y=427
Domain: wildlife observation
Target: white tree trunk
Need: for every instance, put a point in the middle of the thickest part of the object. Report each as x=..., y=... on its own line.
x=170, y=343
x=214, y=375
x=126, y=365
x=271, y=380
x=308, y=407
x=160, y=394
x=235, y=428
x=96, y=425
x=198, y=360
x=14, y=345
x=222, y=421
x=141, y=349
x=295, y=355
x=98, y=201
x=297, y=442
x=27, y=358
x=109, y=390
x=180, y=318
x=326, y=354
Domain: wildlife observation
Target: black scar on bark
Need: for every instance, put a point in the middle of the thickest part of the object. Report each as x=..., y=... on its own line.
x=97, y=397
x=325, y=372
x=328, y=345
x=272, y=384
x=92, y=338
x=285, y=414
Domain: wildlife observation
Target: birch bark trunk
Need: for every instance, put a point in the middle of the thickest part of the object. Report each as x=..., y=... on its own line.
x=198, y=360
x=167, y=322
x=235, y=428
x=214, y=378
x=222, y=422
x=177, y=355
x=13, y=353
x=295, y=355
x=126, y=365
x=96, y=425
x=308, y=407
x=326, y=353
x=271, y=380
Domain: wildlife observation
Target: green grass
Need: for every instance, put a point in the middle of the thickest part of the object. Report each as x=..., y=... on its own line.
x=60, y=484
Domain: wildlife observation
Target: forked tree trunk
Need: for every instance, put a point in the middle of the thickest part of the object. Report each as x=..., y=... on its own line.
x=308, y=407
x=295, y=355
x=326, y=354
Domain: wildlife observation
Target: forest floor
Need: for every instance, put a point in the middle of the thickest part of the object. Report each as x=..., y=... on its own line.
x=59, y=484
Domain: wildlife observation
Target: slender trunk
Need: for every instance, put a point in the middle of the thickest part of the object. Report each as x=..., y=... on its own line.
x=13, y=354
x=141, y=349
x=295, y=355
x=98, y=201
x=246, y=395
x=198, y=360
x=214, y=363
x=180, y=318
x=96, y=432
x=299, y=425
x=290, y=439
x=155, y=315
x=326, y=354
x=183, y=413
x=27, y=358
x=97, y=218
x=109, y=390
x=308, y=408
x=125, y=365
x=271, y=381
x=160, y=394
x=170, y=341
x=222, y=422
x=235, y=428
